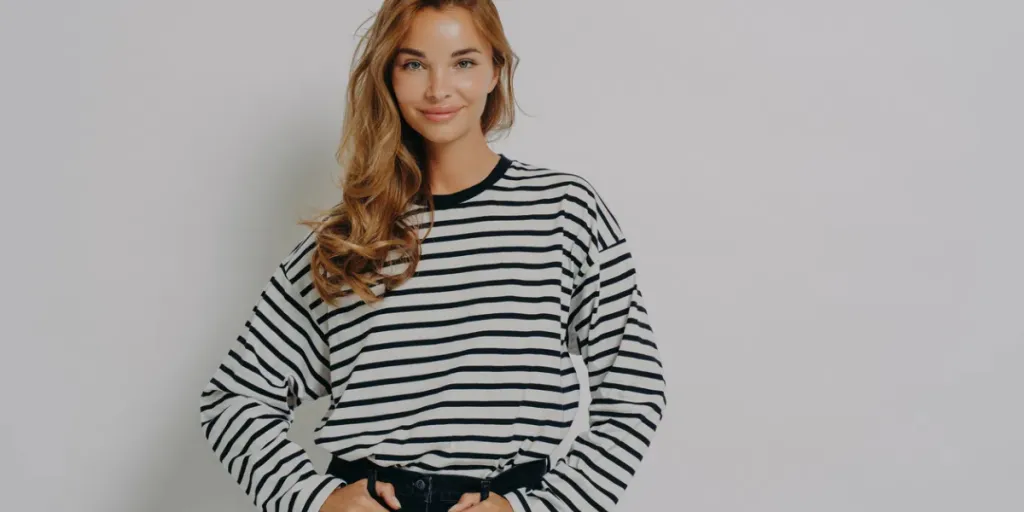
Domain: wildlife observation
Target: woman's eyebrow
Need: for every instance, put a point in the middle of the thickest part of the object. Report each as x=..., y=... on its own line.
x=417, y=53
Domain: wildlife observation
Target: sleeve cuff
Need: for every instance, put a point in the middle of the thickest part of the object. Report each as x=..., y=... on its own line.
x=517, y=500
x=321, y=490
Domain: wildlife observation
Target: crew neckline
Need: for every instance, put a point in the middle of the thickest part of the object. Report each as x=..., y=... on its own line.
x=451, y=199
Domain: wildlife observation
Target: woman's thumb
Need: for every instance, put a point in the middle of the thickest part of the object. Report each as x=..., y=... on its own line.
x=387, y=492
x=467, y=500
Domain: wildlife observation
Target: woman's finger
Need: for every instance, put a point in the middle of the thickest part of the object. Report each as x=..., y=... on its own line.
x=386, y=491
x=467, y=500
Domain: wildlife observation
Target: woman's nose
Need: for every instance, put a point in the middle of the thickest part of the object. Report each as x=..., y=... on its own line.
x=439, y=86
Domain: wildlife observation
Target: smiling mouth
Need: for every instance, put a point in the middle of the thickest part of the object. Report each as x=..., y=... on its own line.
x=441, y=116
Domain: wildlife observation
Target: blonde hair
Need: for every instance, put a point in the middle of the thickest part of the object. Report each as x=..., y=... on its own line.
x=383, y=158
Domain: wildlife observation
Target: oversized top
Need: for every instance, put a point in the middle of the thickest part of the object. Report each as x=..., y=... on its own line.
x=463, y=369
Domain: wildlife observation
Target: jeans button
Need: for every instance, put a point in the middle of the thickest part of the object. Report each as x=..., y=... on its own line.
x=420, y=485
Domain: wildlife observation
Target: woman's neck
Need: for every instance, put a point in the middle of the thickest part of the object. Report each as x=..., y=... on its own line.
x=452, y=168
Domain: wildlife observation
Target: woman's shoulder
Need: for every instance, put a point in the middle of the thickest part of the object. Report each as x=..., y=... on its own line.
x=297, y=259
x=571, y=180
x=585, y=201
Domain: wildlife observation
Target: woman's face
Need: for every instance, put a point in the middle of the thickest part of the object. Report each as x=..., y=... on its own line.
x=442, y=75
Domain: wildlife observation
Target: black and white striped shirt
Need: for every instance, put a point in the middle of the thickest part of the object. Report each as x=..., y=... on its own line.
x=463, y=369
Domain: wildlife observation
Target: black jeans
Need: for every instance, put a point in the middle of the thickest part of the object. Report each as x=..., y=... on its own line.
x=428, y=492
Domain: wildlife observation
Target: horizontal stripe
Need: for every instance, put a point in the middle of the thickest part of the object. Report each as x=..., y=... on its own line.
x=463, y=369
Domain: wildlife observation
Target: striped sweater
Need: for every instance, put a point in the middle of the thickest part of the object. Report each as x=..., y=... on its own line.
x=463, y=369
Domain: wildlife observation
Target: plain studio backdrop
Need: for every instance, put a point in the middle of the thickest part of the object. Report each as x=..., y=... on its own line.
x=824, y=200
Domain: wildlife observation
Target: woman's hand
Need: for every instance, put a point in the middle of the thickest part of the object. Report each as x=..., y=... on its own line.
x=470, y=502
x=355, y=497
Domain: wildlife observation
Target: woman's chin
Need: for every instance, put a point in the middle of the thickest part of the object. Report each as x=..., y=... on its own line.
x=435, y=136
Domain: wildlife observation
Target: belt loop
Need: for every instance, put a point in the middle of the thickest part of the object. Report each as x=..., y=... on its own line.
x=485, y=488
x=371, y=482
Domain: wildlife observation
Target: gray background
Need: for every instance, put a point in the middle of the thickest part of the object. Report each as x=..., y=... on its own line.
x=823, y=200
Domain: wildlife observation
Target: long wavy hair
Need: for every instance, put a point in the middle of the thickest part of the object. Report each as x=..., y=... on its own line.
x=383, y=158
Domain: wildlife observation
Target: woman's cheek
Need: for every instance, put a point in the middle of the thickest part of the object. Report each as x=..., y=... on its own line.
x=472, y=86
x=402, y=92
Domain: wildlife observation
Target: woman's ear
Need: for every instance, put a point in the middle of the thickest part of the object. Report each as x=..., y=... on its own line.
x=494, y=80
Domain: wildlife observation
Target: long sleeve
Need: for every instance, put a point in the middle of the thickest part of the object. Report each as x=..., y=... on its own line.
x=279, y=361
x=609, y=327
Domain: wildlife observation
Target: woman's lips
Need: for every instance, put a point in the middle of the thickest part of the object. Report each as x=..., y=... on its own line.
x=437, y=117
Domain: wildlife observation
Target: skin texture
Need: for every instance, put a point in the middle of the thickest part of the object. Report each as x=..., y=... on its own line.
x=355, y=497
x=470, y=502
x=457, y=152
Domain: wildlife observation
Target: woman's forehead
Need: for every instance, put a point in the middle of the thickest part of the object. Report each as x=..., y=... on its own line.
x=443, y=31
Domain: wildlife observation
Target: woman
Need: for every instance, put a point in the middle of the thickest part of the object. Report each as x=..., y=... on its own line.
x=437, y=304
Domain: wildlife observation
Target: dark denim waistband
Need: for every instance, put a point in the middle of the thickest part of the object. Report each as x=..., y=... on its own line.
x=430, y=487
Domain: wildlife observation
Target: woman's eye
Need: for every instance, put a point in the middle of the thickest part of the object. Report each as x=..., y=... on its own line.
x=463, y=64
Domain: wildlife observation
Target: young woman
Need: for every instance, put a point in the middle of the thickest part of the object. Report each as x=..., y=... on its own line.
x=437, y=304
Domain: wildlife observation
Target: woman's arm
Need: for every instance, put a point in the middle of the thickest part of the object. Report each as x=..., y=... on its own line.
x=609, y=327
x=279, y=360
